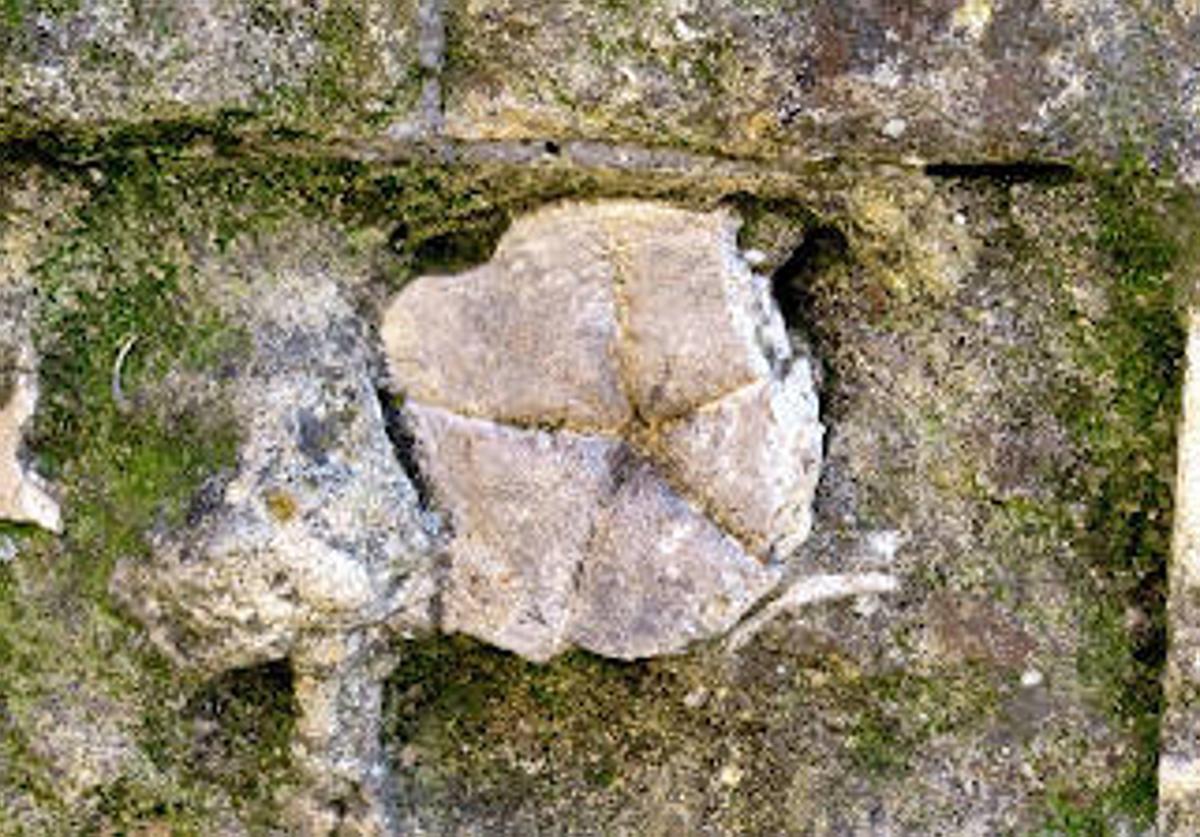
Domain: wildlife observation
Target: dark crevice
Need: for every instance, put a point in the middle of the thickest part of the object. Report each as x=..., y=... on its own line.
x=471, y=243
x=791, y=285
x=623, y=464
x=68, y=147
x=48, y=149
x=398, y=238
x=340, y=809
x=1005, y=173
x=240, y=727
x=404, y=443
x=800, y=289
x=255, y=686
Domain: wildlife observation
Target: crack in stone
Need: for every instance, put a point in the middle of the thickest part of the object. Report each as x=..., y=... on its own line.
x=403, y=443
x=643, y=438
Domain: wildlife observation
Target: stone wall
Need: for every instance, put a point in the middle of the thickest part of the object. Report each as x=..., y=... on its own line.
x=945, y=249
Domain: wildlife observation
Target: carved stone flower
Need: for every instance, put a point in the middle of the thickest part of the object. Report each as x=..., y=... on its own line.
x=612, y=419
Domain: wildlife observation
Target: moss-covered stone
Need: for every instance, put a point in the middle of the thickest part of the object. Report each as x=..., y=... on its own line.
x=1127, y=428
x=1011, y=428
x=8, y=373
x=990, y=422
x=322, y=70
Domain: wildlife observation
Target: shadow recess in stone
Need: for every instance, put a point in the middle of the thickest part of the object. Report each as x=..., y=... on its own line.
x=613, y=418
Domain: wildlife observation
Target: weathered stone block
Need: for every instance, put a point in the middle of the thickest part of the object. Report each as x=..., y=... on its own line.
x=318, y=67
x=318, y=531
x=520, y=506
x=942, y=80
x=529, y=337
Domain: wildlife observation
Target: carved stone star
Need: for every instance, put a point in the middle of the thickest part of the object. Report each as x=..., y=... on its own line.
x=612, y=418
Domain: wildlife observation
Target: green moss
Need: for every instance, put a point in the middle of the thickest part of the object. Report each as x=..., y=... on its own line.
x=235, y=732
x=573, y=743
x=490, y=730
x=124, y=470
x=893, y=714
x=345, y=89
x=456, y=696
x=341, y=32
x=15, y=12
x=8, y=374
x=1126, y=429
x=127, y=269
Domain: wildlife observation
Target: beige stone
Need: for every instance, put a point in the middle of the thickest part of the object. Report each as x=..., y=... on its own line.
x=1179, y=765
x=659, y=575
x=521, y=503
x=611, y=418
x=22, y=497
x=529, y=337
x=692, y=308
x=752, y=459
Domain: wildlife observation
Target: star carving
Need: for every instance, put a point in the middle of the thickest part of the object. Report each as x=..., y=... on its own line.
x=612, y=420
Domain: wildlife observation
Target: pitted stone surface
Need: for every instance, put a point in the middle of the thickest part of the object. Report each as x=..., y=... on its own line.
x=612, y=417
x=951, y=80
x=314, y=548
x=318, y=529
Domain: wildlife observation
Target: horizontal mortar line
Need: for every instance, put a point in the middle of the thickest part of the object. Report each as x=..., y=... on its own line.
x=599, y=154
x=577, y=153
x=588, y=154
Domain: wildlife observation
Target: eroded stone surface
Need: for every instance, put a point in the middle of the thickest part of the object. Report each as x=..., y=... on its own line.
x=313, y=549
x=697, y=323
x=318, y=529
x=339, y=688
x=943, y=79
x=636, y=485
x=111, y=61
